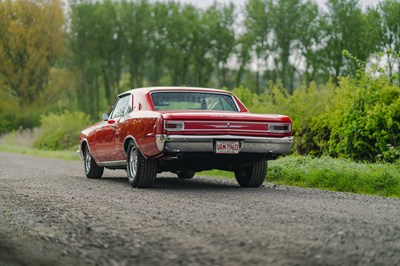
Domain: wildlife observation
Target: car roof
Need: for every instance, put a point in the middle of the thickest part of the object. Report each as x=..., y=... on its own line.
x=173, y=88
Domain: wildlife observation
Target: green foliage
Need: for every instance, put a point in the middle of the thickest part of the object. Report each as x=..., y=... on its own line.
x=61, y=131
x=65, y=155
x=12, y=117
x=358, y=119
x=31, y=40
x=368, y=128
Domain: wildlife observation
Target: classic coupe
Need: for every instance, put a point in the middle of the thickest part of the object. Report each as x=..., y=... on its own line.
x=183, y=130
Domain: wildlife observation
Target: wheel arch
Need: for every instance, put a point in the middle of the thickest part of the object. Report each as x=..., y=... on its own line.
x=83, y=146
x=127, y=140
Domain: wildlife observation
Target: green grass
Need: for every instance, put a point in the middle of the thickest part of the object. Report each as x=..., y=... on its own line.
x=380, y=179
x=65, y=155
x=217, y=173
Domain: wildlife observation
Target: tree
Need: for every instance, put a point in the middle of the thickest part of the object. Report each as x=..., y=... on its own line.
x=109, y=36
x=311, y=37
x=220, y=29
x=258, y=29
x=31, y=40
x=349, y=29
x=201, y=62
x=158, y=41
x=136, y=20
x=390, y=25
x=181, y=25
x=285, y=15
x=84, y=60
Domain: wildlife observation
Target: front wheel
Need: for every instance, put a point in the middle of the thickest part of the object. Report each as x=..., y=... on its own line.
x=92, y=170
x=253, y=175
x=142, y=172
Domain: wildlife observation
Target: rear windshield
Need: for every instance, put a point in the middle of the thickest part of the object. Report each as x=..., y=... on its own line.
x=193, y=101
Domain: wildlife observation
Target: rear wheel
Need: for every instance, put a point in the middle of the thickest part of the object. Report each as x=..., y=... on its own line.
x=92, y=170
x=185, y=174
x=142, y=172
x=253, y=175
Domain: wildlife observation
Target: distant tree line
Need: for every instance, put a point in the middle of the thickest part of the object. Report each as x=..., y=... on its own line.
x=82, y=55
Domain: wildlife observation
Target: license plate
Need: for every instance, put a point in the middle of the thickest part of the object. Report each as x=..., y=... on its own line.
x=227, y=147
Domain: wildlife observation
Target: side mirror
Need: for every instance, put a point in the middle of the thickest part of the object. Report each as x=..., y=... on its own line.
x=104, y=116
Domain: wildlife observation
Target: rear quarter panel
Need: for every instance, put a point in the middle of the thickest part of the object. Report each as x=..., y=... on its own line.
x=142, y=126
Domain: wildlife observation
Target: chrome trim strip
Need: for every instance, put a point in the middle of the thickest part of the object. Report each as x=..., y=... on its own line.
x=110, y=164
x=205, y=143
x=200, y=91
x=222, y=137
x=80, y=153
x=176, y=122
x=271, y=127
x=232, y=129
x=226, y=121
x=239, y=126
x=227, y=126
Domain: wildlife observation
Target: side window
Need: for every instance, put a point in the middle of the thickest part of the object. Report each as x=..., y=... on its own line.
x=128, y=108
x=119, y=109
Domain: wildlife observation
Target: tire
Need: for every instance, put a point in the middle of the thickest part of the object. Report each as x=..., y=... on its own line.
x=185, y=174
x=92, y=170
x=252, y=176
x=142, y=172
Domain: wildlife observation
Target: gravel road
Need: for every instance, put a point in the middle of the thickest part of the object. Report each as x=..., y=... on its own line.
x=51, y=214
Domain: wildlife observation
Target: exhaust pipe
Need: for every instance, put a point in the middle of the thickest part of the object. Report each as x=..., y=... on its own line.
x=178, y=156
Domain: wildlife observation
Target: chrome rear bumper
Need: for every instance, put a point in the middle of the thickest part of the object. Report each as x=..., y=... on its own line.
x=191, y=143
x=80, y=154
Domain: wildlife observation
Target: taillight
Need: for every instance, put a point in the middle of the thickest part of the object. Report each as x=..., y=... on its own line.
x=279, y=128
x=174, y=125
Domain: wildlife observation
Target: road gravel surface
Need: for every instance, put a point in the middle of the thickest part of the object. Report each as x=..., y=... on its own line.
x=51, y=214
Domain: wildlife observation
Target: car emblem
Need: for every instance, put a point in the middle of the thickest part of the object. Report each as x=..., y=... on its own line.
x=228, y=125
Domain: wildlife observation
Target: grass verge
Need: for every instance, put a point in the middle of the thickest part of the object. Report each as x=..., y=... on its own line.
x=65, y=155
x=380, y=179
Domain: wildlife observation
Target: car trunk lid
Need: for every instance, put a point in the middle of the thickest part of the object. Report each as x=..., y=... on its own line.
x=226, y=123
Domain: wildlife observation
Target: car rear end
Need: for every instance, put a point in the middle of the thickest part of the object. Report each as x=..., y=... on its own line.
x=201, y=138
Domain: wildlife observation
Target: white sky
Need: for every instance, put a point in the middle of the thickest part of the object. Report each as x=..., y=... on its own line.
x=206, y=3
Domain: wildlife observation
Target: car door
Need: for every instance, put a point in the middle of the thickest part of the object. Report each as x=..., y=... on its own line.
x=107, y=134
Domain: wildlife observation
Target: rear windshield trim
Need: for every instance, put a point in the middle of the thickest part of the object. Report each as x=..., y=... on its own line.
x=237, y=109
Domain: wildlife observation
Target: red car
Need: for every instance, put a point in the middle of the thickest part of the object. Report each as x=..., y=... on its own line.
x=183, y=130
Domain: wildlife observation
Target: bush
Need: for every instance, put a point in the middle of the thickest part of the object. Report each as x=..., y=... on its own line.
x=61, y=131
x=13, y=117
x=357, y=119
x=368, y=126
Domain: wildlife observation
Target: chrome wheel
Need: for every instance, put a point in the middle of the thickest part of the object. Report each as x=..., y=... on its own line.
x=133, y=162
x=92, y=170
x=141, y=171
x=88, y=160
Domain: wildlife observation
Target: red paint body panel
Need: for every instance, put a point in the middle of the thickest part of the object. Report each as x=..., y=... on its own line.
x=106, y=140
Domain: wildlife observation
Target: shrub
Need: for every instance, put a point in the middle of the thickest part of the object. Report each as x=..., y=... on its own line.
x=357, y=119
x=61, y=131
x=368, y=127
